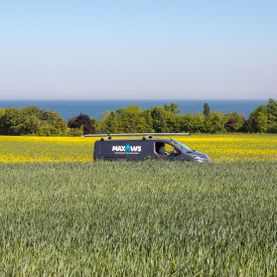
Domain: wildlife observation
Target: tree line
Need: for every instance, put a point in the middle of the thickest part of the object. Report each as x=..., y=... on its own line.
x=132, y=119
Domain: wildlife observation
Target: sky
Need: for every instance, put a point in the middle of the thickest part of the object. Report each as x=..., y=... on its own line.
x=138, y=49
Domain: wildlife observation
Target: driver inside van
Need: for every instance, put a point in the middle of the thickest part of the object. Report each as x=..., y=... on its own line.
x=160, y=148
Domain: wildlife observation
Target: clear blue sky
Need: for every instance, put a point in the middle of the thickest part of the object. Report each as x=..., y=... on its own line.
x=57, y=49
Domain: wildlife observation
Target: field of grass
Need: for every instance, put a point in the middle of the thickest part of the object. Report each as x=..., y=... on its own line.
x=62, y=215
x=138, y=219
x=77, y=149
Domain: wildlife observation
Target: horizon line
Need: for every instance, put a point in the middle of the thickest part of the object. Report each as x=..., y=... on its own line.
x=134, y=99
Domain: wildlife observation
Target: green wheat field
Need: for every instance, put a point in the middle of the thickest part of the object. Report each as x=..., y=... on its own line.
x=139, y=218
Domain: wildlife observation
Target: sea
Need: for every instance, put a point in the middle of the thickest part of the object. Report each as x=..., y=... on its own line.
x=95, y=108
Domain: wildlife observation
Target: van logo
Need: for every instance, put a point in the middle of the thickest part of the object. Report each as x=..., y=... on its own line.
x=132, y=149
x=128, y=148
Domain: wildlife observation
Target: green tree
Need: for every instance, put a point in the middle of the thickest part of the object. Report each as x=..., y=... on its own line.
x=2, y=112
x=173, y=107
x=215, y=123
x=262, y=122
x=163, y=120
x=264, y=118
x=194, y=123
x=32, y=121
x=206, y=109
x=126, y=120
x=159, y=120
x=12, y=121
x=258, y=120
x=52, y=124
x=271, y=108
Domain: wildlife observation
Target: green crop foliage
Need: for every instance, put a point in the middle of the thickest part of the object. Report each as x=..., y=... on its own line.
x=138, y=219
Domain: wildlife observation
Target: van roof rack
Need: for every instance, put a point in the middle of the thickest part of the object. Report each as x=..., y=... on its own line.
x=137, y=135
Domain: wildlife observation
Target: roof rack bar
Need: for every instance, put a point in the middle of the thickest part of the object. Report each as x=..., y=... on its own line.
x=137, y=134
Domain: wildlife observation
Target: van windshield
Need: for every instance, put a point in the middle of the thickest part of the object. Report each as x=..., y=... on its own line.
x=182, y=146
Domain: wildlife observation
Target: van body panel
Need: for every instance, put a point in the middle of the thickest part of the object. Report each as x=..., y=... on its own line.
x=123, y=150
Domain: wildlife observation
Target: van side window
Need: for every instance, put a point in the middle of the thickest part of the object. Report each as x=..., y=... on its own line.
x=169, y=149
x=165, y=149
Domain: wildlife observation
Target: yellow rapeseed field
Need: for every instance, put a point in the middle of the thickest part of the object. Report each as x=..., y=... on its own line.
x=80, y=149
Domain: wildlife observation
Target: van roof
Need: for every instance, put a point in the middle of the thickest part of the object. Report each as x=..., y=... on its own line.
x=138, y=139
